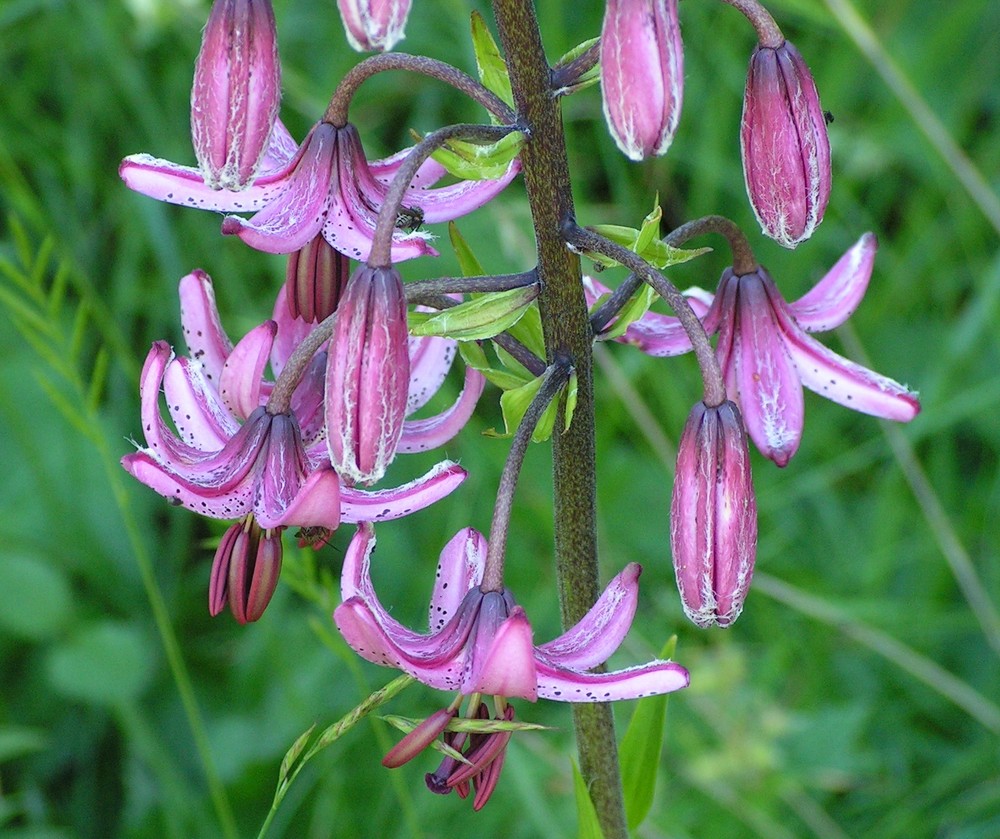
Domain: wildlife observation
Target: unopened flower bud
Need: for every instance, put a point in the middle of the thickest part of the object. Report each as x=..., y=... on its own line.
x=368, y=373
x=374, y=24
x=713, y=516
x=642, y=74
x=314, y=280
x=784, y=144
x=245, y=570
x=236, y=92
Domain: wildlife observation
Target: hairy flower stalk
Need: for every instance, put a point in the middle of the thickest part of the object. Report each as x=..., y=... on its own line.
x=713, y=516
x=236, y=92
x=642, y=74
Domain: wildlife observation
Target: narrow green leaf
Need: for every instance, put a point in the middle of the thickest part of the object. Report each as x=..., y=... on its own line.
x=467, y=261
x=640, y=751
x=591, y=77
x=634, y=309
x=528, y=331
x=483, y=317
x=656, y=252
x=649, y=229
x=514, y=403
x=479, y=161
x=293, y=752
x=492, y=68
x=588, y=827
x=474, y=356
x=570, y=401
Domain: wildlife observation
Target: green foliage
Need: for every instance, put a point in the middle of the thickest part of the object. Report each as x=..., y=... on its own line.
x=824, y=712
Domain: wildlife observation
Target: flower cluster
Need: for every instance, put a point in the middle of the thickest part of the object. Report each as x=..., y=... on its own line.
x=293, y=425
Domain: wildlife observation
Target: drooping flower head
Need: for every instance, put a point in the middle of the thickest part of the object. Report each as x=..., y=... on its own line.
x=236, y=92
x=766, y=355
x=232, y=456
x=325, y=186
x=374, y=24
x=480, y=642
x=642, y=74
x=784, y=145
x=713, y=516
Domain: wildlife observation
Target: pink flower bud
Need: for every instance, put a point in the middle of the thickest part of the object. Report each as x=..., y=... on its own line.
x=374, y=24
x=642, y=74
x=315, y=279
x=245, y=570
x=713, y=516
x=236, y=92
x=785, y=148
x=367, y=376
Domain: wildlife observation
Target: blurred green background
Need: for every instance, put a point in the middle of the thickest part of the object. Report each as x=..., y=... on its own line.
x=857, y=696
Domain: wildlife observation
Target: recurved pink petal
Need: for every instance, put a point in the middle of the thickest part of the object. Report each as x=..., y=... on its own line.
x=593, y=640
x=843, y=381
x=834, y=298
x=430, y=361
x=297, y=213
x=632, y=683
x=459, y=569
x=383, y=505
x=184, y=185
x=203, y=422
x=770, y=391
x=423, y=434
x=503, y=659
x=243, y=372
x=208, y=344
x=317, y=504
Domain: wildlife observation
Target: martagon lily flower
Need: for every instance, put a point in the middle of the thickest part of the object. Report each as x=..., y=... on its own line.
x=232, y=457
x=767, y=355
x=326, y=186
x=481, y=641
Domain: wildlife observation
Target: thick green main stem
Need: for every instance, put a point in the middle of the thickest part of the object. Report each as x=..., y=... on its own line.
x=567, y=334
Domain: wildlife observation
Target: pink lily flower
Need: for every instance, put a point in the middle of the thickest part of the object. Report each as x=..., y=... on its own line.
x=767, y=355
x=481, y=642
x=326, y=186
x=230, y=457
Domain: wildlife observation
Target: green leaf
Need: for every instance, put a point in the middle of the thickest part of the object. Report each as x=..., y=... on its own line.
x=655, y=251
x=294, y=751
x=492, y=68
x=515, y=402
x=475, y=357
x=528, y=331
x=479, y=161
x=107, y=662
x=467, y=261
x=483, y=317
x=570, y=401
x=640, y=751
x=588, y=825
x=591, y=77
x=634, y=309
